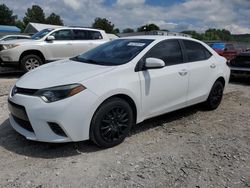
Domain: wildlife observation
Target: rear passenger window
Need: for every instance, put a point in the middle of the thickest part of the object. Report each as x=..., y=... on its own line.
x=169, y=51
x=196, y=51
x=94, y=35
x=80, y=34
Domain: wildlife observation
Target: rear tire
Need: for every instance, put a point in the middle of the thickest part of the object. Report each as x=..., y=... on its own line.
x=30, y=62
x=215, y=96
x=111, y=123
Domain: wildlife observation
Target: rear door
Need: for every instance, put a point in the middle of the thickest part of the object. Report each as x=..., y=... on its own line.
x=164, y=89
x=202, y=71
x=84, y=40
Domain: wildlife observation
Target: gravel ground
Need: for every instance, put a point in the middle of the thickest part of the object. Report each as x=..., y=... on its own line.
x=187, y=148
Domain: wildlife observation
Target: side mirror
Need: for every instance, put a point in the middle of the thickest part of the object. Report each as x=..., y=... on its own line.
x=154, y=63
x=225, y=49
x=50, y=38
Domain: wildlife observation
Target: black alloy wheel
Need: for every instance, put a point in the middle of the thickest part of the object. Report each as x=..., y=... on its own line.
x=114, y=124
x=215, y=96
x=111, y=123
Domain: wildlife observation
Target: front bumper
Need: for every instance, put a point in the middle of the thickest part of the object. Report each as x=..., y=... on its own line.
x=73, y=115
x=9, y=57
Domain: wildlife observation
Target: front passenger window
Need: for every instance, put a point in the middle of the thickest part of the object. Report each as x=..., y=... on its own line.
x=169, y=51
x=62, y=35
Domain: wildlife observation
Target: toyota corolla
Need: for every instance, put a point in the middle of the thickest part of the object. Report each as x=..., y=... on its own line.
x=100, y=94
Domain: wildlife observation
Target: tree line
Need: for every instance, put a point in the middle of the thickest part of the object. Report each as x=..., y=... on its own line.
x=33, y=14
x=37, y=15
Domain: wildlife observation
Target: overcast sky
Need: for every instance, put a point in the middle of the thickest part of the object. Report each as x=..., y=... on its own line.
x=177, y=15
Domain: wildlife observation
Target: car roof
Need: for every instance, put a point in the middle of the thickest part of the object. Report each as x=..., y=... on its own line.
x=159, y=37
x=83, y=28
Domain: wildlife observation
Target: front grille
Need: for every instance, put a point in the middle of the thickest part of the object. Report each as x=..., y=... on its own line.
x=24, y=91
x=19, y=115
x=18, y=110
x=24, y=124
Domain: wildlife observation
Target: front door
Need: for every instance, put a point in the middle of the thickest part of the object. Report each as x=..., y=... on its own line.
x=164, y=89
x=61, y=47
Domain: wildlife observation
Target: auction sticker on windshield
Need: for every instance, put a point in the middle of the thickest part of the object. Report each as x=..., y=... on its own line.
x=139, y=44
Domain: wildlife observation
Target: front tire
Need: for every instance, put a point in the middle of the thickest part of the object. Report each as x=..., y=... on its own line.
x=30, y=62
x=111, y=123
x=215, y=96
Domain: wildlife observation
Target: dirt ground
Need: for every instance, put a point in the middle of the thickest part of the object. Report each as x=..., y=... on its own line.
x=187, y=148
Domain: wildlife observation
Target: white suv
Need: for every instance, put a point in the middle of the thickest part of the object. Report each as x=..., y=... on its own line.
x=49, y=45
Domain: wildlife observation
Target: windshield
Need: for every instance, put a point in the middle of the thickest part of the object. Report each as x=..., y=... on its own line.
x=41, y=34
x=116, y=52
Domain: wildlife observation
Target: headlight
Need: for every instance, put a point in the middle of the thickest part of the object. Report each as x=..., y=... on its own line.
x=9, y=46
x=60, y=92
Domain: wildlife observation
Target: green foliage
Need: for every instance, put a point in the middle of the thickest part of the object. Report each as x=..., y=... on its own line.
x=116, y=30
x=20, y=25
x=148, y=27
x=54, y=19
x=194, y=34
x=241, y=38
x=211, y=34
x=34, y=14
x=7, y=17
x=103, y=23
x=128, y=30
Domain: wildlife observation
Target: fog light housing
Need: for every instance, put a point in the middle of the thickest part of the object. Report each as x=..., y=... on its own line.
x=57, y=129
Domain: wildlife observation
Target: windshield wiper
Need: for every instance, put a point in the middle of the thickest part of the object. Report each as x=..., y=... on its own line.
x=74, y=58
x=90, y=61
x=84, y=60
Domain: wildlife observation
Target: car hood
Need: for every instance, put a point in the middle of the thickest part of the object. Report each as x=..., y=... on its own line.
x=17, y=41
x=60, y=73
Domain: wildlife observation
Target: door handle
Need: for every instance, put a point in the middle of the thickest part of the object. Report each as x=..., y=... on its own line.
x=69, y=43
x=212, y=66
x=183, y=72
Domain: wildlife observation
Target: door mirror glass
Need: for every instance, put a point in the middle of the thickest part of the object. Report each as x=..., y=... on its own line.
x=50, y=38
x=154, y=63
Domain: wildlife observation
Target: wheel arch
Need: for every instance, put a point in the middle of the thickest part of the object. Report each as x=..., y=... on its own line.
x=219, y=78
x=32, y=52
x=125, y=97
x=222, y=80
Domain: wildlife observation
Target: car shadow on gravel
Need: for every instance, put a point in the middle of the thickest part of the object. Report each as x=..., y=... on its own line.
x=166, y=118
x=14, y=142
x=14, y=74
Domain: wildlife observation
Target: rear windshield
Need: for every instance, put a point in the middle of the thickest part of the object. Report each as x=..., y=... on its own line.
x=116, y=52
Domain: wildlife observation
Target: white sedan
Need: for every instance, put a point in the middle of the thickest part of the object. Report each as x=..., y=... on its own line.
x=100, y=94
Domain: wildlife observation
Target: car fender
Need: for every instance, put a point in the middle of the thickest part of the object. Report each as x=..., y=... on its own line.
x=121, y=91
